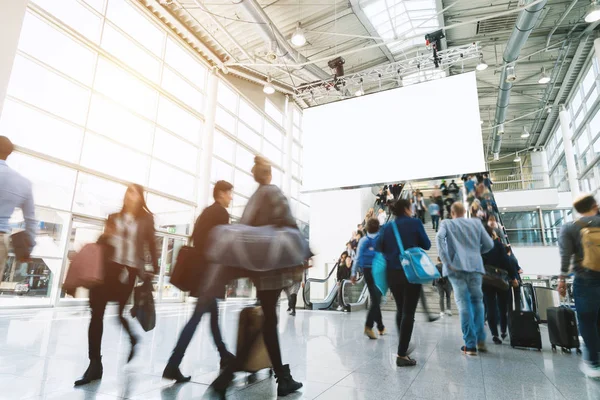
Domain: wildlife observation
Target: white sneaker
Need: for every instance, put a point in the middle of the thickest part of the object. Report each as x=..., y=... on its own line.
x=449, y=313
x=589, y=371
x=339, y=308
x=441, y=314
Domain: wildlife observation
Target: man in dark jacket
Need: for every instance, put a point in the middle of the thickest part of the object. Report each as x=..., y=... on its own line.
x=212, y=216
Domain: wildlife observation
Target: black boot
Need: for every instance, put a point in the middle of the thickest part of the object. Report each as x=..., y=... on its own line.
x=92, y=373
x=173, y=373
x=226, y=359
x=134, y=341
x=285, y=383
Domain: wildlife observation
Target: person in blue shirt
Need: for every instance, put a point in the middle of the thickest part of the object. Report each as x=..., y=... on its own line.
x=406, y=294
x=15, y=192
x=434, y=212
x=470, y=184
x=364, y=262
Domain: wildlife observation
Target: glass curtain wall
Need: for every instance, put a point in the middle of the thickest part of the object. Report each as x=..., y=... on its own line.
x=583, y=108
x=101, y=94
x=529, y=228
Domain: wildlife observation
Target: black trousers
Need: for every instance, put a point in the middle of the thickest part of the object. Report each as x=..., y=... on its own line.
x=202, y=306
x=374, y=314
x=406, y=296
x=421, y=215
x=111, y=290
x=268, y=301
x=496, y=303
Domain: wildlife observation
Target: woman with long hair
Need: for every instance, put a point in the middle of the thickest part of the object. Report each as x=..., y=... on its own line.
x=406, y=294
x=127, y=236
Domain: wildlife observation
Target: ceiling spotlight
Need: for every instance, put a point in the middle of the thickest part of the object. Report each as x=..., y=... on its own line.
x=517, y=159
x=298, y=39
x=360, y=90
x=525, y=134
x=482, y=66
x=593, y=12
x=511, y=75
x=544, y=78
x=496, y=156
x=269, y=88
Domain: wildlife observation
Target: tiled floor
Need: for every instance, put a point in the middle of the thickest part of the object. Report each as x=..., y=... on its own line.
x=42, y=352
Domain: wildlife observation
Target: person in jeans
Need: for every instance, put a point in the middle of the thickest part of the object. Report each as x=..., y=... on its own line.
x=212, y=216
x=586, y=286
x=406, y=294
x=364, y=262
x=434, y=212
x=444, y=290
x=15, y=192
x=460, y=242
x=343, y=272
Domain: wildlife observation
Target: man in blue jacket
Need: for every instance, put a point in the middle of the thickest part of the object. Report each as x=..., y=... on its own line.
x=364, y=261
x=461, y=242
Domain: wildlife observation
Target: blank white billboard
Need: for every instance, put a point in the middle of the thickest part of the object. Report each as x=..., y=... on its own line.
x=427, y=130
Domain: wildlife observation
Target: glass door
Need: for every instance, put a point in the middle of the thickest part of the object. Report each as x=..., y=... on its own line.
x=168, y=247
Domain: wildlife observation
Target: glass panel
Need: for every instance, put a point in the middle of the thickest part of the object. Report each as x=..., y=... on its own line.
x=179, y=121
x=170, y=180
x=34, y=278
x=227, y=97
x=589, y=103
x=273, y=112
x=74, y=15
x=576, y=101
x=525, y=237
x=295, y=170
x=82, y=233
x=175, y=151
x=240, y=288
x=244, y=183
x=595, y=124
x=583, y=141
x=521, y=220
x=578, y=120
x=97, y=197
x=597, y=146
x=38, y=86
x=225, y=120
x=295, y=188
x=221, y=171
x=296, y=133
x=249, y=115
x=551, y=236
x=171, y=216
x=97, y=4
x=273, y=135
x=52, y=184
x=125, y=89
x=277, y=176
x=223, y=146
x=182, y=90
x=40, y=132
x=52, y=47
x=117, y=123
x=297, y=116
x=239, y=204
x=129, y=52
x=295, y=152
x=271, y=153
x=159, y=250
x=168, y=291
x=136, y=25
x=184, y=63
x=124, y=163
x=248, y=136
x=589, y=80
x=244, y=160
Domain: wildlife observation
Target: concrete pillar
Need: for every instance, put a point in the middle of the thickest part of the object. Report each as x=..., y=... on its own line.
x=597, y=48
x=11, y=21
x=207, y=141
x=569, y=155
x=539, y=169
x=289, y=141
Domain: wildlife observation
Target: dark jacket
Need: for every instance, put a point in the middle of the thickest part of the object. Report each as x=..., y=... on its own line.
x=145, y=240
x=212, y=216
x=412, y=234
x=343, y=272
x=498, y=258
x=269, y=206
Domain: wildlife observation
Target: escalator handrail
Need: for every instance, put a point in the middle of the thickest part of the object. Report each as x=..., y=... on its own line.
x=349, y=282
x=308, y=303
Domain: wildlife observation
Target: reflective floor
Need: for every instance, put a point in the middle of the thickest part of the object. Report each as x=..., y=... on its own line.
x=42, y=352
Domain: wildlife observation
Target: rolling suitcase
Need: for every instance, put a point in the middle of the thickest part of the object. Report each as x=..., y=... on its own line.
x=523, y=324
x=562, y=329
x=250, y=343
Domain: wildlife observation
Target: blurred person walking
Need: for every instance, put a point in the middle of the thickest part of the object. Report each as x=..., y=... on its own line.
x=406, y=294
x=444, y=288
x=212, y=216
x=343, y=272
x=128, y=237
x=434, y=212
x=364, y=262
x=460, y=243
x=15, y=192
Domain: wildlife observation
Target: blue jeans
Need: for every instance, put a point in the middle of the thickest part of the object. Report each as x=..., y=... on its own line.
x=435, y=220
x=469, y=300
x=586, y=292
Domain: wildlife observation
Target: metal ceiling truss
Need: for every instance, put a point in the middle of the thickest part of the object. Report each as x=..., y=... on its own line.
x=390, y=73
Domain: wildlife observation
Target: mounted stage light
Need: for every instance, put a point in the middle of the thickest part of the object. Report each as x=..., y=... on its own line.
x=482, y=66
x=525, y=133
x=337, y=65
x=593, y=12
x=544, y=78
x=298, y=38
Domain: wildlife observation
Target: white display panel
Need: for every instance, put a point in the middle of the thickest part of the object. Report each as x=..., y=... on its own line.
x=427, y=130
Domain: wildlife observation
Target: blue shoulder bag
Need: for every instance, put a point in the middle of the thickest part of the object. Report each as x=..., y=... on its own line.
x=416, y=264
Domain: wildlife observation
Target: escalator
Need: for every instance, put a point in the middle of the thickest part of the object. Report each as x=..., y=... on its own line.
x=327, y=302
x=354, y=297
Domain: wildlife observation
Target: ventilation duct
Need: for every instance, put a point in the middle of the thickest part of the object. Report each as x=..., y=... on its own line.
x=525, y=23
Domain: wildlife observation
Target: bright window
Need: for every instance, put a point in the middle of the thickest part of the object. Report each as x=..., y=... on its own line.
x=227, y=97
x=244, y=183
x=170, y=180
x=221, y=171
x=182, y=90
x=244, y=160
x=248, y=136
x=175, y=151
x=273, y=112
x=184, y=63
x=179, y=121
x=250, y=116
x=589, y=80
x=225, y=120
x=272, y=153
x=97, y=197
x=223, y=146
x=273, y=135
x=75, y=15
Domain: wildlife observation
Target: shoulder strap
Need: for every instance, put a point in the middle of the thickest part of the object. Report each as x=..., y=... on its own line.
x=398, y=239
x=581, y=224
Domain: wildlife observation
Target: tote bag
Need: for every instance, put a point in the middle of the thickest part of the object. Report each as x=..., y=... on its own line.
x=416, y=264
x=379, y=272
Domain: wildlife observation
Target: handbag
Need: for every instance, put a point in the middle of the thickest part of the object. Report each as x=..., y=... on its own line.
x=495, y=278
x=21, y=243
x=143, y=306
x=379, y=272
x=86, y=269
x=416, y=264
x=185, y=275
